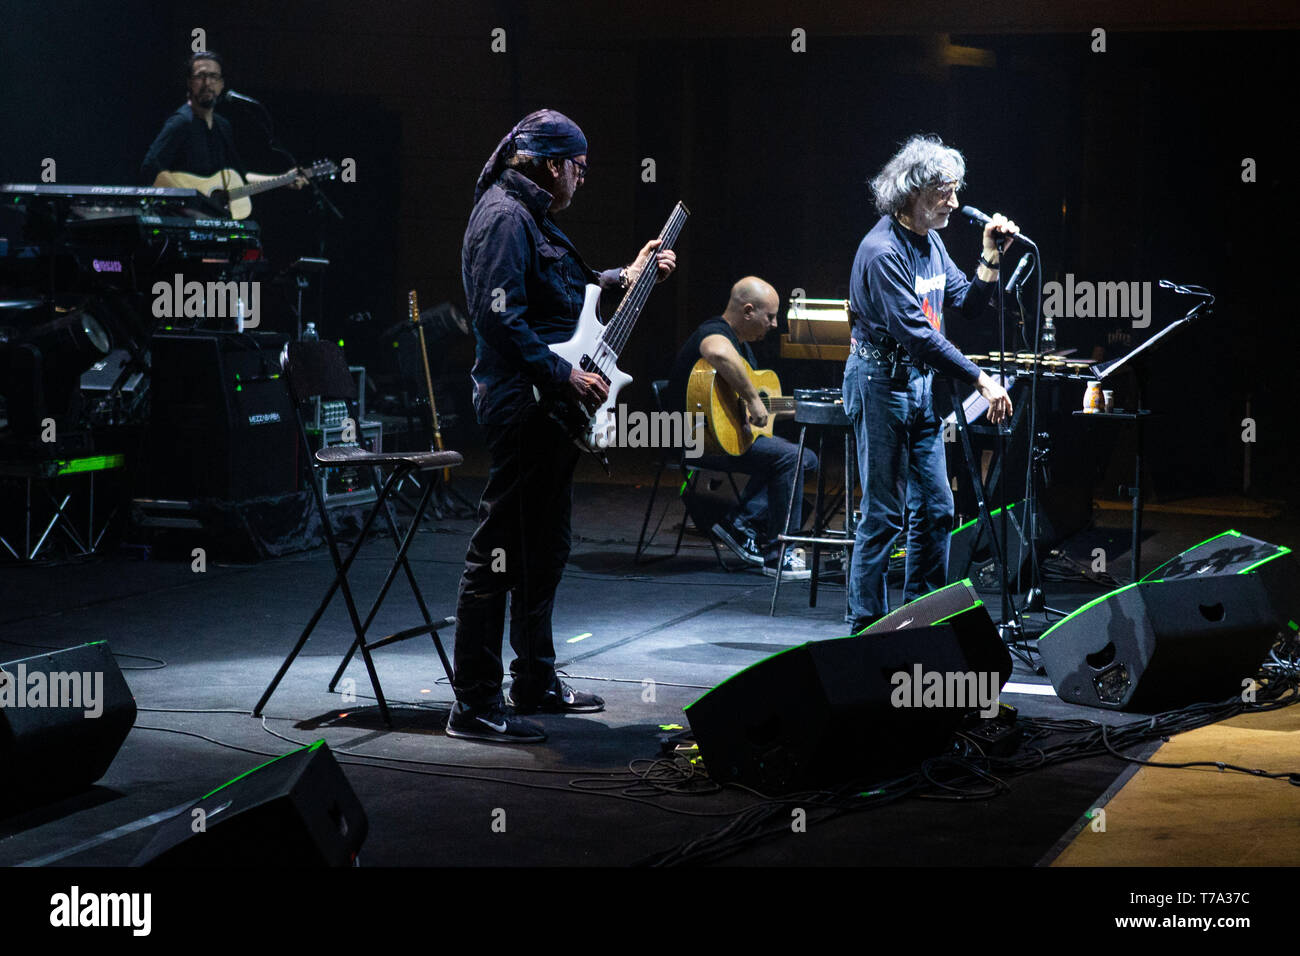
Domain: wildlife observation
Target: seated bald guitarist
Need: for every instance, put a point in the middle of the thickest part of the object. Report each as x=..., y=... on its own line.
x=751, y=528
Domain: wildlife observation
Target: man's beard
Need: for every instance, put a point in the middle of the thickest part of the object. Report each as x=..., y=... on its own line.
x=206, y=99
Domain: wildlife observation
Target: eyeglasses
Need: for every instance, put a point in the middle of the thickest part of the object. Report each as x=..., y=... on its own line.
x=946, y=190
x=582, y=168
x=214, y=77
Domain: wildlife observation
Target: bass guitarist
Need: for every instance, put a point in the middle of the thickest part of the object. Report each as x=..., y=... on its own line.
x=524, y=285
x=771, y=462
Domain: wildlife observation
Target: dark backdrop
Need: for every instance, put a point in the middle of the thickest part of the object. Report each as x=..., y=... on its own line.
x=1124, y=165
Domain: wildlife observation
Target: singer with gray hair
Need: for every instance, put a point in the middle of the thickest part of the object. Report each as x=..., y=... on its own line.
x=902, y=281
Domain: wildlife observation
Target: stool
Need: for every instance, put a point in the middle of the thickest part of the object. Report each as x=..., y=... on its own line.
x=822, y=411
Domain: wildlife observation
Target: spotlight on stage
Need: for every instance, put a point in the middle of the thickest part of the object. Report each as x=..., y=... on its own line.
x=41, y=367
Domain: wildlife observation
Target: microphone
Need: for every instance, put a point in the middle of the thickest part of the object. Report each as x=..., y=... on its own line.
x=232, y=95
x=974, y=215
x=1023, y=268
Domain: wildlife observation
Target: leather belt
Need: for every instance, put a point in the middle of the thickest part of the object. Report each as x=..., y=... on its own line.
x=895, y=356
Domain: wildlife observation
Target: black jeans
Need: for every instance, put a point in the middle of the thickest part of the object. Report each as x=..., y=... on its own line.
x=520, y=548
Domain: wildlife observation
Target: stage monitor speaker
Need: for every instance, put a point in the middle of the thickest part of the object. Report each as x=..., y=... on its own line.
x=63, y=718
x=970, y=553
x=834, y=711
x=1157, y=645
x=297, y=810
x=1232, y=552
x=223, y=424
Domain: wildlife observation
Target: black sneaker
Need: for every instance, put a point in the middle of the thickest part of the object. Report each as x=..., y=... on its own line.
x=739, y=538
x=794, y=567
x=493, y=724
x=861, y=624
x=560, y=699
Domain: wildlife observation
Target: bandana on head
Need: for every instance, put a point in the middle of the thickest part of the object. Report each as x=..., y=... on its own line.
x=544, y=133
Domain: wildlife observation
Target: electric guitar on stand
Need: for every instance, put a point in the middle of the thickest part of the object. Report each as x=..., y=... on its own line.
x=595, y=347
x=726, y=421
x=443, y=495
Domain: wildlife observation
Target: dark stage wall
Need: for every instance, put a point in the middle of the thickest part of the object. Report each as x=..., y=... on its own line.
x=1124, y=165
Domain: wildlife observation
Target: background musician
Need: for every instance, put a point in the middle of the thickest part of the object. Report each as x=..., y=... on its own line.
x=771, y=462
x=195, y=139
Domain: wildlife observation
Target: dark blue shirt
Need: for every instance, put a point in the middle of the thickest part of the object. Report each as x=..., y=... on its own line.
x=186, y=145
x=524, y=286
x=900, y=286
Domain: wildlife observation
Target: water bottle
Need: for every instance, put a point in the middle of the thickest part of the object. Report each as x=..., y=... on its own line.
x=1048, y=344
x=309, y=334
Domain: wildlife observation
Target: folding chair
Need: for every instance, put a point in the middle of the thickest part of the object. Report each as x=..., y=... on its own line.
x=670, y=459
x=318, y=369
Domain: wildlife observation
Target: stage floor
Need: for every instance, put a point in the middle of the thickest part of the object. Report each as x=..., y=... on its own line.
x=198, y=649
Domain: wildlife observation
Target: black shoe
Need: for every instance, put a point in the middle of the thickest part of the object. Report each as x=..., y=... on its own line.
x=560, y=698
x=493, y=724
x=794, y=568
x=862, y=623
x=739, y=538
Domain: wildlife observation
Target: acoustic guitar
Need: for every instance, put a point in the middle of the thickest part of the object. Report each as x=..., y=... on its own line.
x=727, y=427
x=228, y=189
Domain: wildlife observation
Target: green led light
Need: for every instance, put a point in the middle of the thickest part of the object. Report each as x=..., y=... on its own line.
x=340, y=343
x=94, y=463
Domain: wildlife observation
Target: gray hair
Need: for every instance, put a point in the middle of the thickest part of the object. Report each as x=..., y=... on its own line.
x=922, y=161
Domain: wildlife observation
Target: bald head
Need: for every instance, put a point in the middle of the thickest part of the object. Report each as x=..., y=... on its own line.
x=750, y=290
x=751, y=309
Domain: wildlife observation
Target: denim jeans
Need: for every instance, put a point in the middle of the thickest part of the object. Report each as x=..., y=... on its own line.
x=771, y=463
x=900, y=462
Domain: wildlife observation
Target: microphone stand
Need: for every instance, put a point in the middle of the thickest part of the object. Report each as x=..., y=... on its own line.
x=321, y=203
x=1010, y=626
x=1035, y=599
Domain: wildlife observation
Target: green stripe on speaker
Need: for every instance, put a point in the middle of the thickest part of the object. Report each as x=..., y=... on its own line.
x=1093, y=603
x=248, y=773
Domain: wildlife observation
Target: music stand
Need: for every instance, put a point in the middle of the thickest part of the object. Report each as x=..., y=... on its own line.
x=1138, y=360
